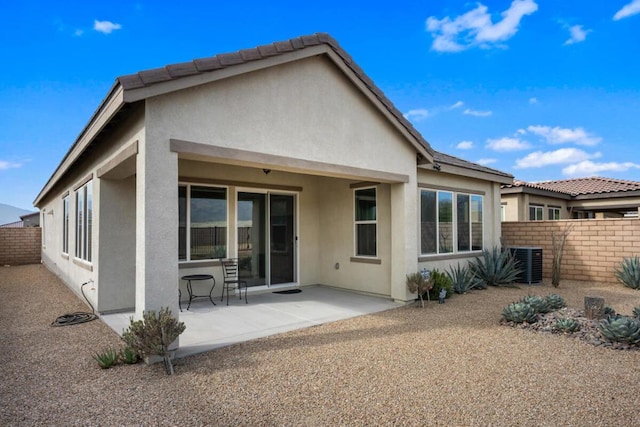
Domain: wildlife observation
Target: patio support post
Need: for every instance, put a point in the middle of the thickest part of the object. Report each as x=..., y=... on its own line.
x=404, y=245
x=156, y=227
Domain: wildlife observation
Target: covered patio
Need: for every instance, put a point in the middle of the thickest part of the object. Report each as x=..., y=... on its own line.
x=209, y=327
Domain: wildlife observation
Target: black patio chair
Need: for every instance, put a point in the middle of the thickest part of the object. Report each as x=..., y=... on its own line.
x=232, y=280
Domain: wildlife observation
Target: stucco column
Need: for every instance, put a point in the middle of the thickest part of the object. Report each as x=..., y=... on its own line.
x=404, y=233
x=156, y=227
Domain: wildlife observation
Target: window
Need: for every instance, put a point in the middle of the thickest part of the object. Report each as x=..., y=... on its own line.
x=365, y=222
x=554, y=213
x=503, y=213
x=202, y=223
x=65, y=224
x=439, y=234
x=84, y=220
x=535, y=213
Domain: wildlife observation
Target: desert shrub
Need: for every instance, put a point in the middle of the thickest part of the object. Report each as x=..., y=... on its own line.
x=628, y=272
x=153, y=335
x=107, y=358
x=555, y=301
x=621, y=329
x=519, y=312
x=462, y=279
x=495, y=267
x=418, y=284
x=539, y=304
x=129, y=356
x=567, y=325
x=439, y=281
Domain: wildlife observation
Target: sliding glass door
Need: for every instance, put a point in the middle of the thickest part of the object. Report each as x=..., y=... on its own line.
x=266, y=220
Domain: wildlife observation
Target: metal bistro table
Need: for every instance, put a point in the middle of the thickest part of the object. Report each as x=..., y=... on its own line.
x=196, y=277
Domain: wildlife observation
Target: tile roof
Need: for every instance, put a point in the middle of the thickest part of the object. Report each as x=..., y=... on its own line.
x=204, y=65
x=581, y=186
x=439, y=157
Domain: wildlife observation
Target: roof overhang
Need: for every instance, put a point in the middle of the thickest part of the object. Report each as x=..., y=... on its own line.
x=467, y=172
x=535, y=192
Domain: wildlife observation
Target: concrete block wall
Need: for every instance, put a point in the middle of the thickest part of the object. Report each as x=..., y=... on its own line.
x=593, y=249
x=20, y=246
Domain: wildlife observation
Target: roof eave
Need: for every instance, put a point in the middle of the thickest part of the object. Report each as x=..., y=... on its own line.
x=108, y=108
x=471, y=173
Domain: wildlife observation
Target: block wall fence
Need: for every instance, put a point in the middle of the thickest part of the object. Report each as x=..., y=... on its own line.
x=592, y=250
x=20, y=246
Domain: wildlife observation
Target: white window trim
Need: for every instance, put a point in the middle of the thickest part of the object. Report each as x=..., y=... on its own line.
x=188, y=259
x=539, y=208
x=356, y=223
x=65, y=224
x=83, y=251
x=454, y=213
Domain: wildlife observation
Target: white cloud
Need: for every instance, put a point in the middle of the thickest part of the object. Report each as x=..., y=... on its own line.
x=558, y=135
x=533, y=100
x=78, y=32
x=507, y=144
x=539, y=159
x=464, y=145
x=456, y=105
x=477, y=113
x=417, y=114
x=475, y=28
x=105, y=27
x=630, y=9
x=587, y=167
x=486, y=161
x=577, y=34
x=4, y=165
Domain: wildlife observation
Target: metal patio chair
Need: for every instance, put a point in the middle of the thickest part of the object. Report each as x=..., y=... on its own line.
x=232, y=280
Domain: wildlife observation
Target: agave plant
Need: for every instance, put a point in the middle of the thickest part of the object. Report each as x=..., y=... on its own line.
x=555, y=301
x=621, y=329
x=519, y=312
x=462, y=279
x=636, y=312
x=628, y=272
x=496, y=267
x=539, y=304
x=567, y=325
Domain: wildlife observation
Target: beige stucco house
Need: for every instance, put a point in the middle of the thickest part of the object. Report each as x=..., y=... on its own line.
x=286, y=156
x=577, y=198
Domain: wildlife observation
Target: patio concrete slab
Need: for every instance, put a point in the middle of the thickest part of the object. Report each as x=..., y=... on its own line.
x=209, y=327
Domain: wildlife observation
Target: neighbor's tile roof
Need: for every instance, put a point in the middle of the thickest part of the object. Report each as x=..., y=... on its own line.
x=226, y=60
x=581, y=186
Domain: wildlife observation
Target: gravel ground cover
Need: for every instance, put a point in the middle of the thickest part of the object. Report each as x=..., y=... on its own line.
x=450, y=365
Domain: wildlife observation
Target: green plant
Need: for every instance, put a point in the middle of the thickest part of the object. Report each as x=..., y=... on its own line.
x=628, y=272
x=417, y=284
x=609, y=311
x=462, y=279
x=519, y=312
x=496, y=267
x=621, y=329
x=107, y=358
x=555, y=301
x=439, y=281
x=129, y=356
x=636, y=312
x=153, y=335
x=567, y=325
x=539, y=304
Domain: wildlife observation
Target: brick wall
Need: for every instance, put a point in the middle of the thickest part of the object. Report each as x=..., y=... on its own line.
x=594, y=246
x=20, y=245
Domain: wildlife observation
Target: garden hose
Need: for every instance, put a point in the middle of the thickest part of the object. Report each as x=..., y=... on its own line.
x=79, y=316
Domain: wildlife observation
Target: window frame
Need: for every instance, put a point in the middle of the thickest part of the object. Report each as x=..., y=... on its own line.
x=188, y=220
x=84, y=221
x=472, y=199
x=65, y=224
x=556, y=210
x=357, y=222
x=537, y=209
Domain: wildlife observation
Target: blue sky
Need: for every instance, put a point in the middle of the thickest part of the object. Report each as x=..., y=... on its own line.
x=540, y=89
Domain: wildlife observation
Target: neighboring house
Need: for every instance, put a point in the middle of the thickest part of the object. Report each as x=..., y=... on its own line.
x=577, y=198
x=16, y=224
x=31, y=219
x=286, y=156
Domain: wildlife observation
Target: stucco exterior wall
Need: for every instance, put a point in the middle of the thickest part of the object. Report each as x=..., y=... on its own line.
x=71, y=270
